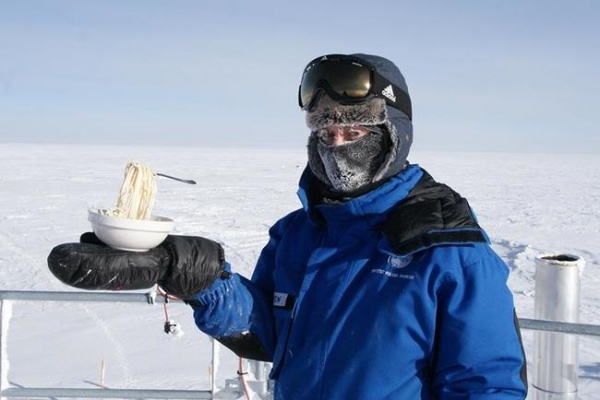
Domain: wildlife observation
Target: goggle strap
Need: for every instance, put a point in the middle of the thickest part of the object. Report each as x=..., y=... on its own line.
x=393, y=95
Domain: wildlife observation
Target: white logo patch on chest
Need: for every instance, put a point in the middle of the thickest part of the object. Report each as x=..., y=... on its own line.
x=399, y=262
x=396, y=263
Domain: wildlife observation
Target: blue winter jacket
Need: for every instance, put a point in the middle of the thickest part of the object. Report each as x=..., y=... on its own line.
x=392, y=295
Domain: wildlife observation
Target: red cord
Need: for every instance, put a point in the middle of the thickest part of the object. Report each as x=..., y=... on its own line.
x=166, y=296
x=242, y=374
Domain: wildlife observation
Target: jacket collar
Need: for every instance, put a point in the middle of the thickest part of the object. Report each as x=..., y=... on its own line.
x=377, y=201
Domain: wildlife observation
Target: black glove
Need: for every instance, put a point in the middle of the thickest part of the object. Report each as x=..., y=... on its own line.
x=182, y=265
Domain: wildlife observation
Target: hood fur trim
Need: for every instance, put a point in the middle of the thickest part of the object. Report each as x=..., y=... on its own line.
x=328, y=113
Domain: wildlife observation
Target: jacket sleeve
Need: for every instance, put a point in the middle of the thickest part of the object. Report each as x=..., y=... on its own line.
x=479, y=354
x=238, y=312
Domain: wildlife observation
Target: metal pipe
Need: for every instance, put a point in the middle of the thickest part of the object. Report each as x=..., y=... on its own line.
x=562, y=327
x=121, y=297
x=15, y=392
x=556, y=299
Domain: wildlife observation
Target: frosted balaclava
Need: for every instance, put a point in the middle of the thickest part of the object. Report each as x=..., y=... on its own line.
x=351, y=167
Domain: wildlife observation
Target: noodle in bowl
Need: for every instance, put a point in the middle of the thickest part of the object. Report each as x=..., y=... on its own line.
x=129, y=234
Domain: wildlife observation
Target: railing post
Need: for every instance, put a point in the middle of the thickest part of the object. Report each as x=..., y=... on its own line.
x=5, y=315
x=1, y=346
x=214, y=365
x=556, y=299
x=260, y=371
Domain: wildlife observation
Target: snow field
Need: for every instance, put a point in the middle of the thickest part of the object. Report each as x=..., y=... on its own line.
x=528, y=203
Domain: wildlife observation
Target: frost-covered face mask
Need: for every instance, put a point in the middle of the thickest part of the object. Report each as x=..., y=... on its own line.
x=352, y=165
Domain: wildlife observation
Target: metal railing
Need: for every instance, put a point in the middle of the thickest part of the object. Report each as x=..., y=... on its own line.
x=118, y=297
x=559, y=327
x=151, y=298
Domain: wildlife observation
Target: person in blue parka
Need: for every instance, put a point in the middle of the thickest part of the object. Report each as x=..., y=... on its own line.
x=381, y=286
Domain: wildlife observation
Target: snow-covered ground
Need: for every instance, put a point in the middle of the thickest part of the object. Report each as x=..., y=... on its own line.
x=528, y=203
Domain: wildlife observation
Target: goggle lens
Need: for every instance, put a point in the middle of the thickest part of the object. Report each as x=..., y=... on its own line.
x=346, y=78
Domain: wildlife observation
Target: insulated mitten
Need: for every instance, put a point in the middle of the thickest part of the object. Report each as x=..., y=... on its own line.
x=182, y=265
x=195, y=263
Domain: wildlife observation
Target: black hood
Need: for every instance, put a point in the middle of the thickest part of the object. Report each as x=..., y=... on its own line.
x=396, y=124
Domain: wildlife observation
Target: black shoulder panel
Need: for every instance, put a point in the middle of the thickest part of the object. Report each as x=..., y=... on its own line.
x=246, y=345
x=432, y=214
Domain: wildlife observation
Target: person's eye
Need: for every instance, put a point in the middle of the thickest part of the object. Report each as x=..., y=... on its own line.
x=355, y=134
x=325, y=135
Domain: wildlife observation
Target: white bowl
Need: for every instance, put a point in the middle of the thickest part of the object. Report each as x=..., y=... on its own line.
x=129, y=234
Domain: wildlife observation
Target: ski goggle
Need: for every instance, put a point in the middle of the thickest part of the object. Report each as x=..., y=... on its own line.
x=348, y=80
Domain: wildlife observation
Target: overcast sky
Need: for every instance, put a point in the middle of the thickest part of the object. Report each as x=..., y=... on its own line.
x=483, y=75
